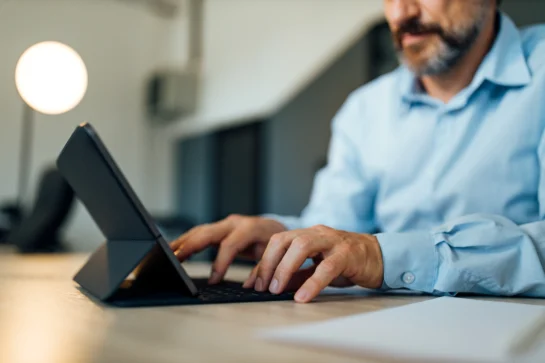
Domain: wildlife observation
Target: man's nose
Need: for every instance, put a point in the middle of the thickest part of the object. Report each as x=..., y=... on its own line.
x=399, y=11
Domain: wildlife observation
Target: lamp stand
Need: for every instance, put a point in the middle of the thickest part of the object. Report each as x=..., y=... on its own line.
x=25, y=154
x=11, y=214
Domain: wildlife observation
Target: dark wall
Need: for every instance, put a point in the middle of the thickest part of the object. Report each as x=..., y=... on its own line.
x=297, y=138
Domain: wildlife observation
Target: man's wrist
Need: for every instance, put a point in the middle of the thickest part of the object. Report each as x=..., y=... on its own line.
x=377, y=265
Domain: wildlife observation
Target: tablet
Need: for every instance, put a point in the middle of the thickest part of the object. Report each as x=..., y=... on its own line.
x=135, y=265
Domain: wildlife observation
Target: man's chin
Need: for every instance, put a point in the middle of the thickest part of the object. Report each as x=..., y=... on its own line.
x=418, y=67
x=418, y=60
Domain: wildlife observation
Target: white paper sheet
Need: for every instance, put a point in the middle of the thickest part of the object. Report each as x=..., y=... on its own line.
x=440, y=330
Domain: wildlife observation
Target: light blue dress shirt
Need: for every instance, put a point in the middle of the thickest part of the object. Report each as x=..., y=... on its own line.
x=454, y=192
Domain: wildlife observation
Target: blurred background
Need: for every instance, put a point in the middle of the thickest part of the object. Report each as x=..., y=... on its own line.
x=210, y=107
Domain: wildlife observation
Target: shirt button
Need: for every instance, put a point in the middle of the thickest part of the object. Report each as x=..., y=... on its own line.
x=408, y=278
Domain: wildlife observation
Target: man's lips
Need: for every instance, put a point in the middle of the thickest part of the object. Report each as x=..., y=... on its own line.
x=408, y=39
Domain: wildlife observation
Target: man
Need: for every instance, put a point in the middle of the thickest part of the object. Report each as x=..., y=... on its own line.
x=445, y=157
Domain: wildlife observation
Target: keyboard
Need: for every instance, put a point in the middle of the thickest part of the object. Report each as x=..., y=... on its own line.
x=229, y=291
x=222, y=293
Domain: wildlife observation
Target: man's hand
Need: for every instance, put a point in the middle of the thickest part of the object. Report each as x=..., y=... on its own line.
x=235, y=235
x=341, y=259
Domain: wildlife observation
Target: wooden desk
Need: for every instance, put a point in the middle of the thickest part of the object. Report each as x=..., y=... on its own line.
x=44, y=318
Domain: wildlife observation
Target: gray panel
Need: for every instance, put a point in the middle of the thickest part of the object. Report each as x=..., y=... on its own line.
x=194, y=176
x=525, y=12
x=297, y=137
x=238, y=171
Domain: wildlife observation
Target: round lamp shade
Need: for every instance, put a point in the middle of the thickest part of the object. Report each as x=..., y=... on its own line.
x=51, y=78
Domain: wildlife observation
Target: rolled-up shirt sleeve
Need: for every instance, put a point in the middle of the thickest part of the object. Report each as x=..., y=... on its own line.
x=480, y=253
x=484, y=254
x=497, y=257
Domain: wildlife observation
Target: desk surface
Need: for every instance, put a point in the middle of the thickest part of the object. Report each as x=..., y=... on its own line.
x=44, y=318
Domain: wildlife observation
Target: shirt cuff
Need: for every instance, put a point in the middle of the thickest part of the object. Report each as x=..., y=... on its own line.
x=410, y=260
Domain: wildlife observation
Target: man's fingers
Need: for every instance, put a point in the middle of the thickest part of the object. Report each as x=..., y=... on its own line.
x=231, y=245
x=250, y=281
x=326, y=271
x=299, y=278
x=175, y=245
x=295, y=283
x=276, y=248
x=201, y=238
x=253, y=252
x=280, y=272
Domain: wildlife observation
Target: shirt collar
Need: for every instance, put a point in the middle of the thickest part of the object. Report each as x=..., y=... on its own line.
x=504, y=65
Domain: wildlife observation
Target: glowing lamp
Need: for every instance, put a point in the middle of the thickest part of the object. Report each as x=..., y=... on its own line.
x=51, y=78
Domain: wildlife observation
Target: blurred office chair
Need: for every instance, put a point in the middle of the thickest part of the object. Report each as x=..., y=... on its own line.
x=38, y=232
x=10, y=215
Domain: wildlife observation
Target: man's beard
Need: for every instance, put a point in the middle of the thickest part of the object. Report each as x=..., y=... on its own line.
x=452, y=47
